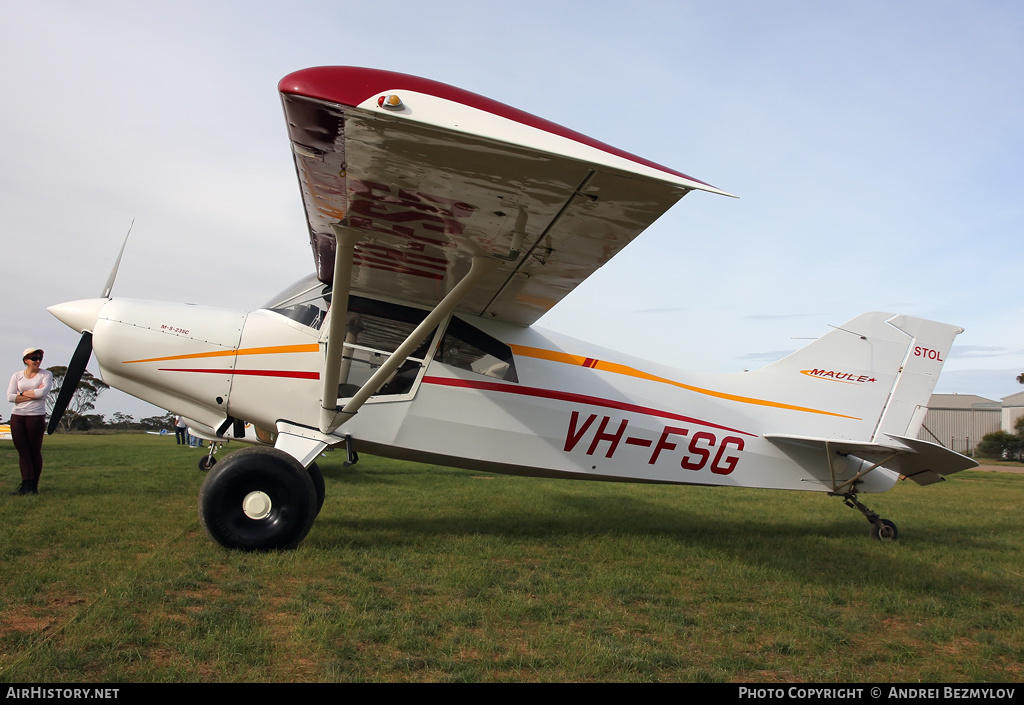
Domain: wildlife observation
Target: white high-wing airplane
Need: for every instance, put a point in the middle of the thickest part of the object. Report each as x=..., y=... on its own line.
x=443, y=224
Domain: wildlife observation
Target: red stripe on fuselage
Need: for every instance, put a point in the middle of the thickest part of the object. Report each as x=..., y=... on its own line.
x=496, y=387
x=575, y=398
x=291, y=374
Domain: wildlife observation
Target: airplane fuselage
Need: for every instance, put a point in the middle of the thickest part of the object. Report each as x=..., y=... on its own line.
x=566, y=409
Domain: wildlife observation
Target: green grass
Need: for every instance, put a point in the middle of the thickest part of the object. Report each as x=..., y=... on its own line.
x=999, y=462
x=421, y=573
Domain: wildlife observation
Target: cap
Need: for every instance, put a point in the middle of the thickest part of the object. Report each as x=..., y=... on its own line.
x=29, y=351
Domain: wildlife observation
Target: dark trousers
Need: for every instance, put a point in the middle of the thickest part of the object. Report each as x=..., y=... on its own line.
x=27, y=434
x=179, y=436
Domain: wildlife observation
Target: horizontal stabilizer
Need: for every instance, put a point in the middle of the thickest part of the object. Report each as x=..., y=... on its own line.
x=923, y=462
x=929, y=462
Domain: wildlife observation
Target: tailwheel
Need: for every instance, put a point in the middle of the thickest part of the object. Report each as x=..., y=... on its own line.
x=207, y=461
x=258, y=499
x=881, y=529
x=884, y=530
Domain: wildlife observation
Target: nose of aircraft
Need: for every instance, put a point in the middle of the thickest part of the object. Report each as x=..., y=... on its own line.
x=79, y=315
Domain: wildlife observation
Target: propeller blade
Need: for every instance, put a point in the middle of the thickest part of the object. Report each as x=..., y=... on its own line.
x=76, y=369
x=117, y=263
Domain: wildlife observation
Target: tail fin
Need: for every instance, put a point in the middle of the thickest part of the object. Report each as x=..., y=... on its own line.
x=877, y=372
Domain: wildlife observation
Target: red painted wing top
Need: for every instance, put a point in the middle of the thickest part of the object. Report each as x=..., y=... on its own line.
x=434, y=175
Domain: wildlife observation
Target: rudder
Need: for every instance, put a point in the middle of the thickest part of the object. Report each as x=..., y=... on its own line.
x=927, y=352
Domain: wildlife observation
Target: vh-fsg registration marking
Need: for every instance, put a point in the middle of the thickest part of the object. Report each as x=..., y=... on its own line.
x=704, y=447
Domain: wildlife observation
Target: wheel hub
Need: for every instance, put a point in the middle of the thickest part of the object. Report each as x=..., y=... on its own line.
x=257, y=505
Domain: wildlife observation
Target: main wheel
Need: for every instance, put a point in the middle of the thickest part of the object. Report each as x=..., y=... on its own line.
x=258, y=499
x=884, y=530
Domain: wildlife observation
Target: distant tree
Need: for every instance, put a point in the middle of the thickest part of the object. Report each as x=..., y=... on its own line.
x=86, y=422
x=121, y=421
x=84, y=400
x=1002, y=444
x=155, y=423
x=1020, y=378
x=995, y=445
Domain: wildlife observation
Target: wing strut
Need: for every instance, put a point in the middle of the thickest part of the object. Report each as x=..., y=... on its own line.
x=345, y=243
x=332, y=418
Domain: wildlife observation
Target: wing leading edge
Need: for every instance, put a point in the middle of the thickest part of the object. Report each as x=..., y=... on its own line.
x=433, y=176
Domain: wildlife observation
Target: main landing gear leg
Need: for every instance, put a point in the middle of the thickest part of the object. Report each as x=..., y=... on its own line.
x=881, y=529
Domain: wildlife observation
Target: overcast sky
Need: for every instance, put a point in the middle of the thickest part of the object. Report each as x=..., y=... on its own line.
x=876, y=148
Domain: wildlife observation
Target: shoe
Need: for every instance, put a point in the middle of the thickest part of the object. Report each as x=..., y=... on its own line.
x=22, y=489
x=33, y=488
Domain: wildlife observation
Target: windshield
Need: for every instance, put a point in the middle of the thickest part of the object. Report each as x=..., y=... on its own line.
x=305, y=301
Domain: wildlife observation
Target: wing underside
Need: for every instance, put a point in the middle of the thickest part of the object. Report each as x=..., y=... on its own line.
x=442, y=179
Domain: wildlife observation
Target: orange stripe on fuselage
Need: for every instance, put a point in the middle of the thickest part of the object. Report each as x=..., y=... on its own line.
x=271, y=350
x=614, y=368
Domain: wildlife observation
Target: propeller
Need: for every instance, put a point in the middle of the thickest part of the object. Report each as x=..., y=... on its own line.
x=76, y=368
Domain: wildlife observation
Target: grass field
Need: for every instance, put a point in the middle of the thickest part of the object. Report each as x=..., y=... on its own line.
x=421, y=573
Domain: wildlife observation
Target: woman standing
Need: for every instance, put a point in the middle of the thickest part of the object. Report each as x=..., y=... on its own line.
x=28, y=390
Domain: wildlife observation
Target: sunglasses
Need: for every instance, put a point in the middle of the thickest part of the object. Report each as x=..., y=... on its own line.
x=35, y=358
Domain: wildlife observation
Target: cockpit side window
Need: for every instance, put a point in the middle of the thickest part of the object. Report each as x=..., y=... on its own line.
x=380, y=325
x=374, y=330
x=469, y=348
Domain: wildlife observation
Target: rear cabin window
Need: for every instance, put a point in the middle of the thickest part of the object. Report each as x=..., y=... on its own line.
x=469, y=348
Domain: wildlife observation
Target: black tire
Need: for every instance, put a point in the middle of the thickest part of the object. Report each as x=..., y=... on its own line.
x=318, y=485
x=207, y=462
x=258, y=499
x=884, y=530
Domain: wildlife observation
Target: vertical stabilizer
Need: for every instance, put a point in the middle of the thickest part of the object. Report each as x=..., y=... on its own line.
x=884, y=367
